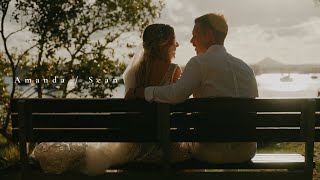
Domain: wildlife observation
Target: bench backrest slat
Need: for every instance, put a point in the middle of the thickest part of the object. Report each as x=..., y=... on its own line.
x=84, y=105
x=76, y=120
x=89, y=135
x=230, y=119
x=262, y=135
x=183, y=120
x=227, y=104
x=95, y=120
x=209, y=119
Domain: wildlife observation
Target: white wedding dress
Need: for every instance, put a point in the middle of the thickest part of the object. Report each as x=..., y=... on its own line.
x=96, y=158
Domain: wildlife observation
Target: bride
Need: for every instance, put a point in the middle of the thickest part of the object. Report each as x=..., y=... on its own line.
x=151, y=66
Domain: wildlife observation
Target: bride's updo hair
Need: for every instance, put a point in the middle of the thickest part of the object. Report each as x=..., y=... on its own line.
x=157, y=39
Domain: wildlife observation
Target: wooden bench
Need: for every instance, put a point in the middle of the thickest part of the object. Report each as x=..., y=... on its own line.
x=195, y=120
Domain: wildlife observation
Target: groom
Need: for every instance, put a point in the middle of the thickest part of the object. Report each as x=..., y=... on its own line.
x=213, y=72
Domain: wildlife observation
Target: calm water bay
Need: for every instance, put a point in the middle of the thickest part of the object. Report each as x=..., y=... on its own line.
x=284, y=85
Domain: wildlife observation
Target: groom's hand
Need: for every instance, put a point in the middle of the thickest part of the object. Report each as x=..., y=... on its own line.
x=139, y=93
x=135, y=93
x=130, y=94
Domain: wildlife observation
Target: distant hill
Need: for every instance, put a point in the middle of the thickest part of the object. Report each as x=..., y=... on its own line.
x=269, y=65
x=268, y=62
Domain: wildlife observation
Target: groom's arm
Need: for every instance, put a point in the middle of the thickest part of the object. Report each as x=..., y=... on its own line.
x=139, y=92
x=179, y=91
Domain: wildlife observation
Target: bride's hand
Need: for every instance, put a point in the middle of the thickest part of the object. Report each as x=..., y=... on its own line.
x=130, y=94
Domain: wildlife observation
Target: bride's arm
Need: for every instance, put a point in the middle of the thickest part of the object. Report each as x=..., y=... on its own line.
x=177, y=74
x=131, y=94
x=128, y=94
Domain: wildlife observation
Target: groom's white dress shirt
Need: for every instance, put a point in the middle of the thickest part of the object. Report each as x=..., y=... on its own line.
x=215, y=73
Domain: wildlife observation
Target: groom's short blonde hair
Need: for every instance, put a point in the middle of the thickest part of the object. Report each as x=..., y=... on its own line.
x=215, y=22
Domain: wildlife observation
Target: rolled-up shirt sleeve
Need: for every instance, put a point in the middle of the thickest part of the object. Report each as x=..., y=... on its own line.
x=181, y=90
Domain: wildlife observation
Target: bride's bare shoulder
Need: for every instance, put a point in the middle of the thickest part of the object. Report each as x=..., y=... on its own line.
x=160, y=66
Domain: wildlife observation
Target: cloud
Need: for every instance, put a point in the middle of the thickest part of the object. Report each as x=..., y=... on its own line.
x=20, y=40
x=294, y=44
x=258, y=29
x=174, y=5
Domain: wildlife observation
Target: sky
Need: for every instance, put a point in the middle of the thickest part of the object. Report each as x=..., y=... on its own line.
x=285, y=30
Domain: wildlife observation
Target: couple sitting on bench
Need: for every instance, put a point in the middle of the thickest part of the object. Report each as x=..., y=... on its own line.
x=152, y=75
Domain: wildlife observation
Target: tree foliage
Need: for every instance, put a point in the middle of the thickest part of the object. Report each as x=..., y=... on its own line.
x=9, y=62
x=71, y=38
x=4, y=94
x=84, y=32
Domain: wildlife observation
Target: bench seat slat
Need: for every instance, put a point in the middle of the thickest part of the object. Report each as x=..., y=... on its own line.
x=275, y=158
x=260, y=161
x=160, y=175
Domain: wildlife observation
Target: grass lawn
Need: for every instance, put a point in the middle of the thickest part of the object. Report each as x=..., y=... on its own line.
x=9, y=154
